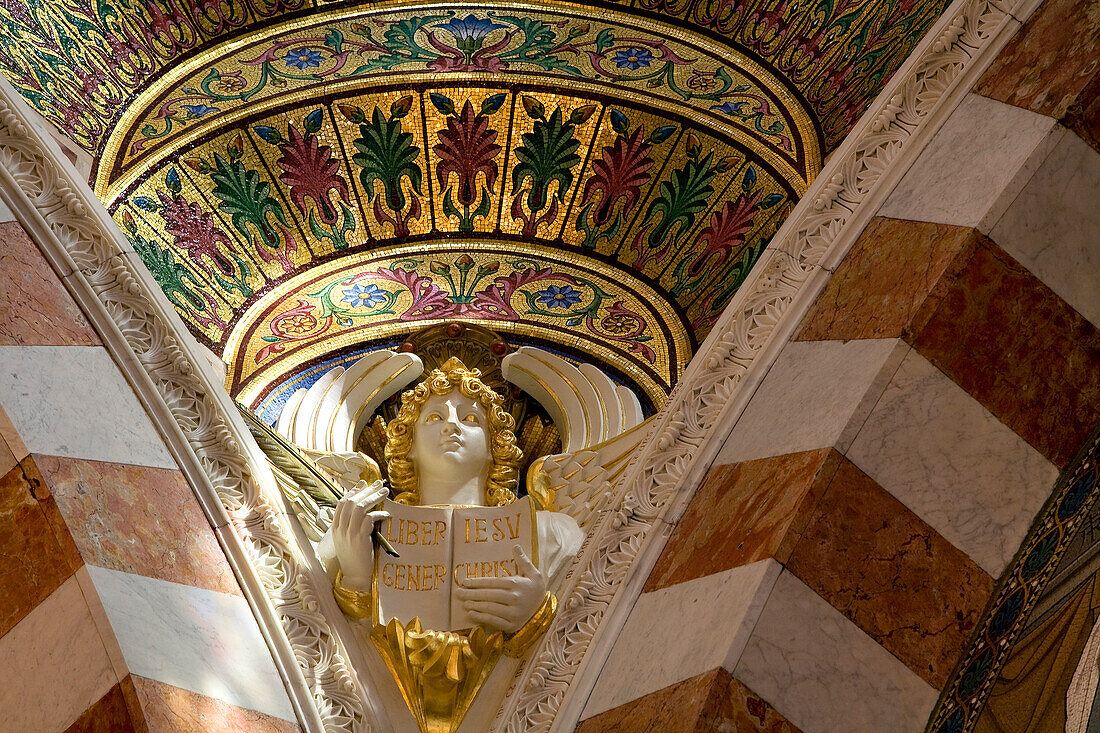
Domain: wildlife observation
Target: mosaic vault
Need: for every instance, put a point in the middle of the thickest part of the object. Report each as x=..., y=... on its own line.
x=312, y=180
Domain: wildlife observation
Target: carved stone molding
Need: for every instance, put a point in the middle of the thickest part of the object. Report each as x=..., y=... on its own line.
x=210, y=442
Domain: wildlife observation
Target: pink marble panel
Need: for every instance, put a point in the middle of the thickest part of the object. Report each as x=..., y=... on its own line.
x=170, y=709
x=138, y=520
x=37, y=309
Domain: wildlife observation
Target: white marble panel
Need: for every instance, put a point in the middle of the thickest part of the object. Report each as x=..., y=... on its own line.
x=5, y=212
x=193, y=638
x=823, y=674
x=99, y=617
x=1053, y=226
x=974, y=166
x=678, y=632
x=814, y=396
x=73, y=401
x=948, y=459
x=53, y=665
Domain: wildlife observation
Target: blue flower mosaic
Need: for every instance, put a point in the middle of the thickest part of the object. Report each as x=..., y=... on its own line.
x=633, y=58
x=469, y=28
x=558, y=297
x=731, y=108
x=198, y=110
x=364, y=296
x=301, y=58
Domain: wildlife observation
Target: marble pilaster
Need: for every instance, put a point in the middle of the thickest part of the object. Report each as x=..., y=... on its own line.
x=54, y=664
x=951, y=462
x=882, y=288
x=706, y=703
x=975, y=165
x=1048, y=66
x=815, y=394
x=109, y=714
x=823, y=674
x=192, y=638
x=981, y=317
x=1052, y=227
x=35, y=555
x=1016, y=347
x=890, y=573
x=37, y=308
x=170, y=709
x=139, y=520
x=744, y=512
x=58, y=408
x=713, y=617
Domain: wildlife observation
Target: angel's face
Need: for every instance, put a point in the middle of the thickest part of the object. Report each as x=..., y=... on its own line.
x=450, y=436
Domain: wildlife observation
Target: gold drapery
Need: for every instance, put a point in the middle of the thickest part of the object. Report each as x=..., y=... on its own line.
x=1030, y=693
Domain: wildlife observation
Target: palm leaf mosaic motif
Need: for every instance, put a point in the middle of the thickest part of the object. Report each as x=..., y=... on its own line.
x=493, y=161
x=684, y=211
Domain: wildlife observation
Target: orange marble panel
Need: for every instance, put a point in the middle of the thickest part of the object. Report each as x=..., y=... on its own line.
x=46, y=500
x=737, y=708
x=108, y=715
x=712, y=702
x=879, y=289
x=37, y=309
x=7, y=458
x=1019, y=349
x=1050, y=61
x=169, y=709
x=891, y=574
x=32, y=561
x=138, y=520
x=742, y=513
x=10, y=437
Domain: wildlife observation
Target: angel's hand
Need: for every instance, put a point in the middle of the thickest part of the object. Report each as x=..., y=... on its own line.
x=352, y=525
x=505, y=603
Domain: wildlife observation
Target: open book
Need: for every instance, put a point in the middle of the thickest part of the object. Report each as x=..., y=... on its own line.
x=440, y=547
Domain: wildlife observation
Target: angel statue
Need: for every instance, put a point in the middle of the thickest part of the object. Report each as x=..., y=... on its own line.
x=452, y=444
x=477, y=566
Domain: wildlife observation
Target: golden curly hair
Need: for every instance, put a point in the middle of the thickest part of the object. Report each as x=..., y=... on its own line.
x=506, y=455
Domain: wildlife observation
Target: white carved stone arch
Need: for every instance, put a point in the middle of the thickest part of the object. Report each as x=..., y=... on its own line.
x=286, y=590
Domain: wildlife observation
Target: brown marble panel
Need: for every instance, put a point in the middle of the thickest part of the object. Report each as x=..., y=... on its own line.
x=108, y=715
x=1007, y=339
x=1050, y=60
x=742, y=513
x=712, y=702
x=169, y=709
x=879, y=289
x=1083, y=117
x=133, y=704
x=737, y=708
x=891, y=574
x=32, y=562
x=37, y=308
x=138, y=520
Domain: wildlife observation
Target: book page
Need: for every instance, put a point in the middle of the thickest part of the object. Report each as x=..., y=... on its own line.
x=483, y=539
x=419, y=582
